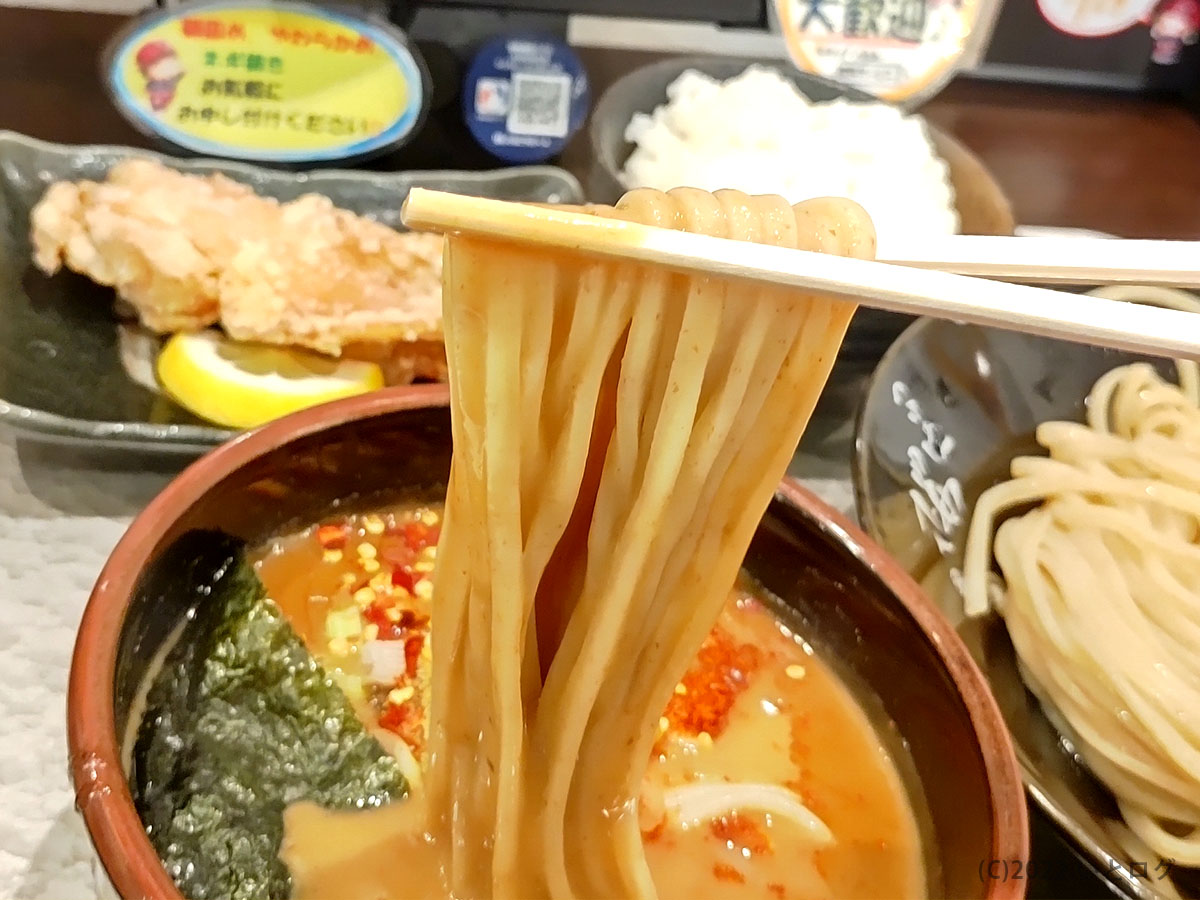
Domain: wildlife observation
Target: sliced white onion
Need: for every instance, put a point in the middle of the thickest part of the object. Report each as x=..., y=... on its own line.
x=701, y=801
x=384, y=661
x=398, y=749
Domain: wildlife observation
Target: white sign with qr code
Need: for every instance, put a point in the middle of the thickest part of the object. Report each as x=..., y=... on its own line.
x=539, y=104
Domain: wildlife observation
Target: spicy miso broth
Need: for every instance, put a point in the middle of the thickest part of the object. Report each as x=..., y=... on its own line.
x=767, y=778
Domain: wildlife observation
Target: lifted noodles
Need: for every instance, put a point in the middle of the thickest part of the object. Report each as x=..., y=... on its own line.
x=619, y=430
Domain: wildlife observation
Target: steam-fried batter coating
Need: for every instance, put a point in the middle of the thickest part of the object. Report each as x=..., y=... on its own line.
x=326, y=278
x=160, y=238
x=404, y=362
x=189, y=251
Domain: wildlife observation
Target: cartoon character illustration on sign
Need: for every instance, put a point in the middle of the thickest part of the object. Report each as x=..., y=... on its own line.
x=162, y=70
x=1173, y=25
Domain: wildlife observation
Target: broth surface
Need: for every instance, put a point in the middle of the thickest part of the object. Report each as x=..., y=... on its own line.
x=757, y=707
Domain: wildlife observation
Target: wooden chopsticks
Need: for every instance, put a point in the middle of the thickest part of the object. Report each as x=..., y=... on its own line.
x=1054, y=260
x=905, y=289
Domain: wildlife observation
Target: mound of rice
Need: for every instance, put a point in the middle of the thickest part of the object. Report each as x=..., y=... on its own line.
x=756, y=132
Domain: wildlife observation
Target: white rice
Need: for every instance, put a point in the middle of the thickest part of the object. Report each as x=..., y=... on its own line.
x=757, y=133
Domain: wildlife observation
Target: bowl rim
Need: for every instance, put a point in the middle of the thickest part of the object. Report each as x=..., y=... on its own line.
x=102, y=793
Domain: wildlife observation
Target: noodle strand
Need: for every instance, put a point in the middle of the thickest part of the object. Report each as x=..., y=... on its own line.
x=1100, y=586
x=619, y=431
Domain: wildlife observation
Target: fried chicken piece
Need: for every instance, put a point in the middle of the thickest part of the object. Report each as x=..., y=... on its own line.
x=404, y=362
x=326, y=278
x=159, y=237
x=189, y=251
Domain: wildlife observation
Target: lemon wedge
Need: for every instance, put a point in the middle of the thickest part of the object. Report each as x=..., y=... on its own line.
x=243, y=385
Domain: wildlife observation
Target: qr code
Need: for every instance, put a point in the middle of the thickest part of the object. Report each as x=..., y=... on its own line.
x=539, y=105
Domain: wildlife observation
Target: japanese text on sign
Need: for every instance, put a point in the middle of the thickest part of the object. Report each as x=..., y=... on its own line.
x=901, y=20
x=213, y=30
x=338, y=43
x=279, y=81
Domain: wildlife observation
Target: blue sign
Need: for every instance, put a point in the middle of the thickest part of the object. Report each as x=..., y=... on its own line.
x=525, y=97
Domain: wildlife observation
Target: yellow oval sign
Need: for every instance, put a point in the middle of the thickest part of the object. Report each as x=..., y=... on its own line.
x=896, y=50
x=284, y=82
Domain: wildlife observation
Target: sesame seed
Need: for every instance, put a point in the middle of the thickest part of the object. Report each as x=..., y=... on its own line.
x=373, y=524
x=392, y=613
x=429, y=517
x=370, y=565
x=704, y=739
x=348, y=578
x=338, y=646
x=367, y=551
x=400, y=696
x=364, y=596
x=663, y=723
x=371, y=632
x=423, y=567
x=424, y=589
x=381, y=581
x=681, y=689
x=429, y=552
x=795, y=671
x=332, y=556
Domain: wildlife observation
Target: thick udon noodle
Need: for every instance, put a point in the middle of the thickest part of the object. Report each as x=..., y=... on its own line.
x=618, y=432
x=1101, y=591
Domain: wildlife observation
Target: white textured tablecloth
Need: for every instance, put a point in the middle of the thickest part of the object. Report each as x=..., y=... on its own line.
x=59, y=517
x=61, y=512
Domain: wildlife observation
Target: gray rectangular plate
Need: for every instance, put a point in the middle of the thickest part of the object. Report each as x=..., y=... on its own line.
x=61, y=378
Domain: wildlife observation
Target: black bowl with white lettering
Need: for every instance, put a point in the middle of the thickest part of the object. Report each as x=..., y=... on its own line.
x=945, y=412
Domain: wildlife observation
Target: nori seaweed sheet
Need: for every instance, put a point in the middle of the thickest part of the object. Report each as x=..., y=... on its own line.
x=240, y=722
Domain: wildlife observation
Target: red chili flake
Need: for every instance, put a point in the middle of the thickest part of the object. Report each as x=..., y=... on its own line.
x=333, y=537
x=721, y=672
x=777, y=889
x=820, y=864
x=403, y=577
x=392, y=717
x=741, y=833
x=656, y=832
x=397, y=629
x=412, y=653
x=723, y=872
x=394, y=550
x=376, y=614
x=416, y=535
x=404, y=720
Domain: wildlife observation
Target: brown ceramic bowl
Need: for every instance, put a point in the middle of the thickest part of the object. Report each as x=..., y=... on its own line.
x=858, y=606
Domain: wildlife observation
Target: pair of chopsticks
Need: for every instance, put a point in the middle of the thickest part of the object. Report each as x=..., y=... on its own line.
x=1054, y=260
x=913, y=286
